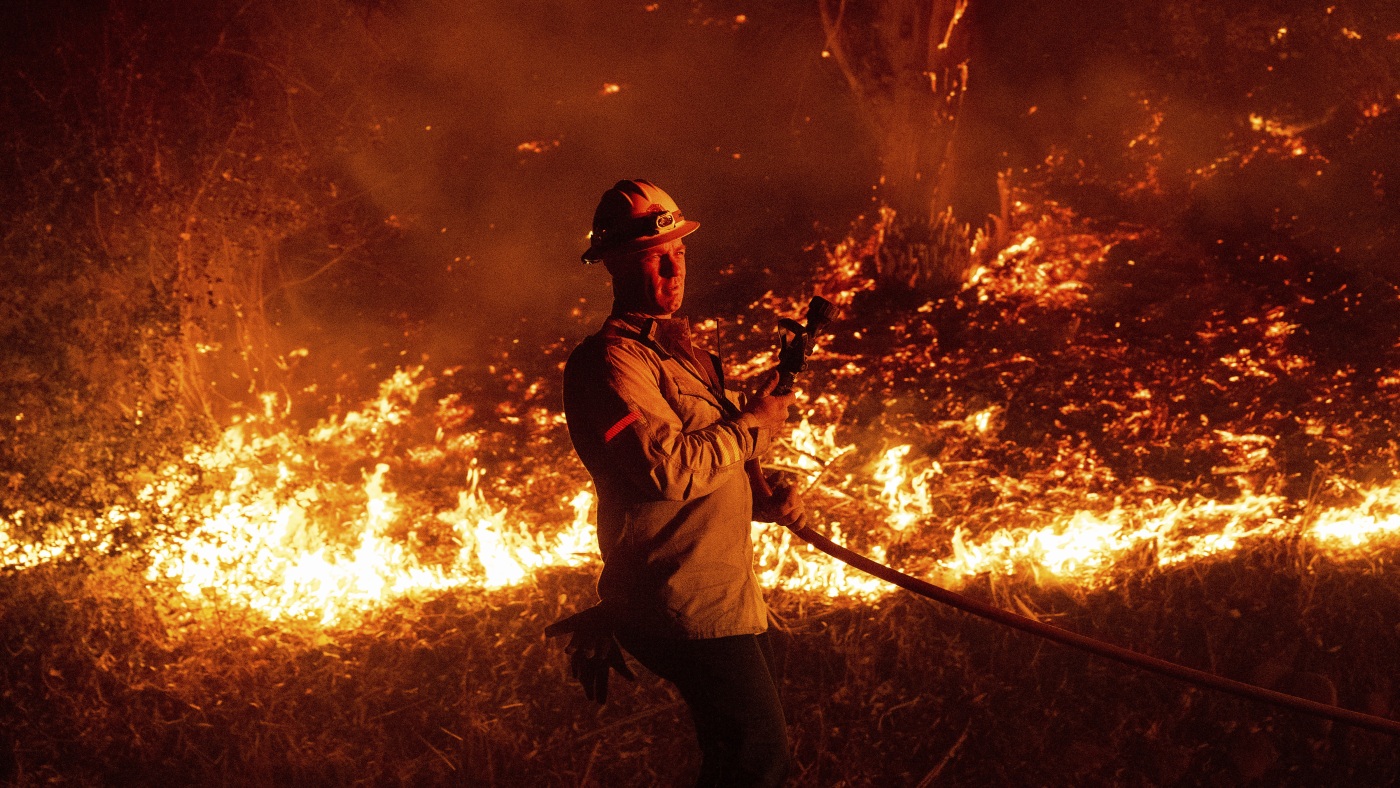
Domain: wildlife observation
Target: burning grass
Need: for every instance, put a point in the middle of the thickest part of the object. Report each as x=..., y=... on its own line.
x=1100, y=429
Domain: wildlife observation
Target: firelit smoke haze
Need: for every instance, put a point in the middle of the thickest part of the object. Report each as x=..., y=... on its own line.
x=496, y=127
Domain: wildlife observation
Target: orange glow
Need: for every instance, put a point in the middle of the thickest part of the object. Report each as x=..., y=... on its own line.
x=327, y=523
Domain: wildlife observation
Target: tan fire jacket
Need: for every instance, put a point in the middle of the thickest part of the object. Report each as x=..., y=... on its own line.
x=666, y=450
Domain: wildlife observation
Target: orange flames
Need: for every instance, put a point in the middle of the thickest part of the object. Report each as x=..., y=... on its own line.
x=394, y=499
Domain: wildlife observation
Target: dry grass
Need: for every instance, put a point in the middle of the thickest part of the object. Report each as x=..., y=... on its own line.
x=99, y=687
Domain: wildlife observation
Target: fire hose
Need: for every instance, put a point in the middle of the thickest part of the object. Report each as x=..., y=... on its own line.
x=1099, y=648
x=792, y=359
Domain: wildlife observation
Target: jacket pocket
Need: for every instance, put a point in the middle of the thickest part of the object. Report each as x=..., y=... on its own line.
x=696, y=406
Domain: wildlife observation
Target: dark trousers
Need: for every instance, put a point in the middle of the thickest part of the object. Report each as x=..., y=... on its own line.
x=729, y=685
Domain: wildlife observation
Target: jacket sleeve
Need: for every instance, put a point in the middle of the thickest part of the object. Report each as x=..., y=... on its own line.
x=653, y=452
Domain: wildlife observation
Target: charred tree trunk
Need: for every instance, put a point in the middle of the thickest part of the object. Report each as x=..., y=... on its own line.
x=907, y=62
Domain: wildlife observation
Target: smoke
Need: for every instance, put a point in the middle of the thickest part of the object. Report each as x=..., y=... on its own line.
x=420, y=174
x=1256, y=129
x=489, y=130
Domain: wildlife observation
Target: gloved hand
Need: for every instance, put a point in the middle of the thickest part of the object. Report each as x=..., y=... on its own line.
x=593, y=650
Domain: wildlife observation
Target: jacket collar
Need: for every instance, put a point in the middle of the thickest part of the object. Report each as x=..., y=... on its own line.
x=640, y=325
x=670, y=338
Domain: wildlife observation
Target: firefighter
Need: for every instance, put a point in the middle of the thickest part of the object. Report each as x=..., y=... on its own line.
x=666, y=444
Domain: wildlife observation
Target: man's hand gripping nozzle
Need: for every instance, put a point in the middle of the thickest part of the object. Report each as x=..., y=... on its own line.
x=800, y=340
x=782, y=505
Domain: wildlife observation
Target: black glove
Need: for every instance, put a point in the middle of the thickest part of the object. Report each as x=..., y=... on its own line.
x=593, y=651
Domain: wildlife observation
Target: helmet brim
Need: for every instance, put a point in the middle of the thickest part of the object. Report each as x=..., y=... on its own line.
x=596, y=254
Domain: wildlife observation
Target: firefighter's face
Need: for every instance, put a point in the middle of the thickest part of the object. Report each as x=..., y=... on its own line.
x=650, y=281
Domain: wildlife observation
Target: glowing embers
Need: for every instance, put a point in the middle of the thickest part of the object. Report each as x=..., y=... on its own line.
x=537, y=146
x=57, y=543
x=1269, y=358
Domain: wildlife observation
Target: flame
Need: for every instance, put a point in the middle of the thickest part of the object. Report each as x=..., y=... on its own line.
x=1376, y=517
x=1086, y=545
x=397, y=499
x=906, y=497
x=258, y=542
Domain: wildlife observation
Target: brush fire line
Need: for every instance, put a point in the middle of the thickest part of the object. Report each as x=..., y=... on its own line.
x=797, y=344
x=328, y=523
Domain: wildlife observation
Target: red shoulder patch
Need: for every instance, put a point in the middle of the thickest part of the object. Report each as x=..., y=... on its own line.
x=621, y=425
